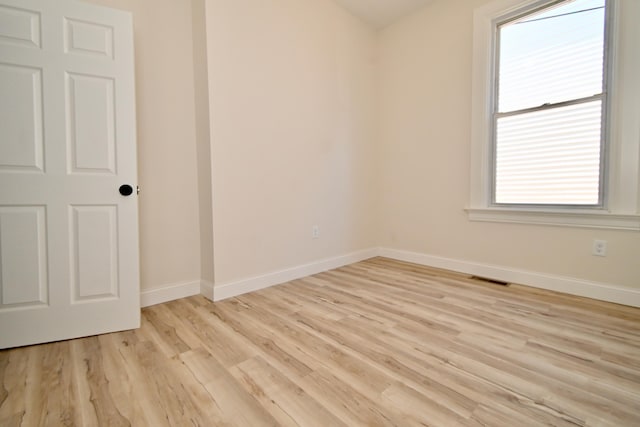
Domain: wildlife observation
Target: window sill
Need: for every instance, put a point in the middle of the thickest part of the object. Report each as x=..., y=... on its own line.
x=557, y=217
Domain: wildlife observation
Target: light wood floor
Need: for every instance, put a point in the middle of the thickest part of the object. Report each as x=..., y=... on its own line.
x=375, y=343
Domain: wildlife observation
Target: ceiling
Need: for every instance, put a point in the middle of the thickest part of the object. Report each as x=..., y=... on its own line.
x=380, y=13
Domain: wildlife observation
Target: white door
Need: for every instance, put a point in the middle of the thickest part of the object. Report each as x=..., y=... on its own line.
x=68, y=238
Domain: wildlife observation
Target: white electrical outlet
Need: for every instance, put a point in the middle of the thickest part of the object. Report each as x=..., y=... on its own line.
x=315, y=231
x=599, y=248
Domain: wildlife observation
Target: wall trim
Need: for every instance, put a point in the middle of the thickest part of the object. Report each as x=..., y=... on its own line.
x=563, y=284
x=169, y=293
x=206, y=289
x=567, y=285
x=232, y=289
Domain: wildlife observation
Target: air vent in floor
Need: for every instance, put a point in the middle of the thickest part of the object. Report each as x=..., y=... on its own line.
x=492, y=281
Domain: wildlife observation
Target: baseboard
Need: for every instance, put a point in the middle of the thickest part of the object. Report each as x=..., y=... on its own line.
x=169, y=293
x=206, y=289
x=567, y=285
x=228, y=290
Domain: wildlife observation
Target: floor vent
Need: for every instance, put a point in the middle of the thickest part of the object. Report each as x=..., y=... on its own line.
x=487, y=280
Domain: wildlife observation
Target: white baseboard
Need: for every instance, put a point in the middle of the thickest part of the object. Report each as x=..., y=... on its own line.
x=228, y=290
x=206, y=289
x=169, y=293
x=567, y=285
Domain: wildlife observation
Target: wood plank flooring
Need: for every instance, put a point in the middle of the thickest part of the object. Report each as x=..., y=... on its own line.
x=377, y=343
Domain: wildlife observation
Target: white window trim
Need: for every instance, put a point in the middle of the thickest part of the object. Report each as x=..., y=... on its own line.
x=623, y=184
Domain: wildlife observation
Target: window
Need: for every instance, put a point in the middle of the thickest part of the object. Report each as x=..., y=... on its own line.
x=549, y=109
x=551, y=125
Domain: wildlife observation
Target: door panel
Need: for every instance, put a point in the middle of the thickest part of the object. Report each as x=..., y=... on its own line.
x=88, y=38
x=94, y=252
x=68, y=239
x=21, y=112
x=23, y=259
x=19, y=26
x=90, y=123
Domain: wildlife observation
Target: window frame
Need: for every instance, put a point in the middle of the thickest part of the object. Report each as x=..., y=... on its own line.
x=619, y=207
x=603, y=97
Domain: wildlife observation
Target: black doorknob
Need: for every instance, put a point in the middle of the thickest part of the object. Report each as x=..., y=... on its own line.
x=126, y=190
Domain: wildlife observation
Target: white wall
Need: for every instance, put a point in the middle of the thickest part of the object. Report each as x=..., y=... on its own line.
x=425, y=98
x=292, y=106
x=169, y=213
x=302, y=96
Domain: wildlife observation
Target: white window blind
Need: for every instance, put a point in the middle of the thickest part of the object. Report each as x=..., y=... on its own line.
x=548, y=113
